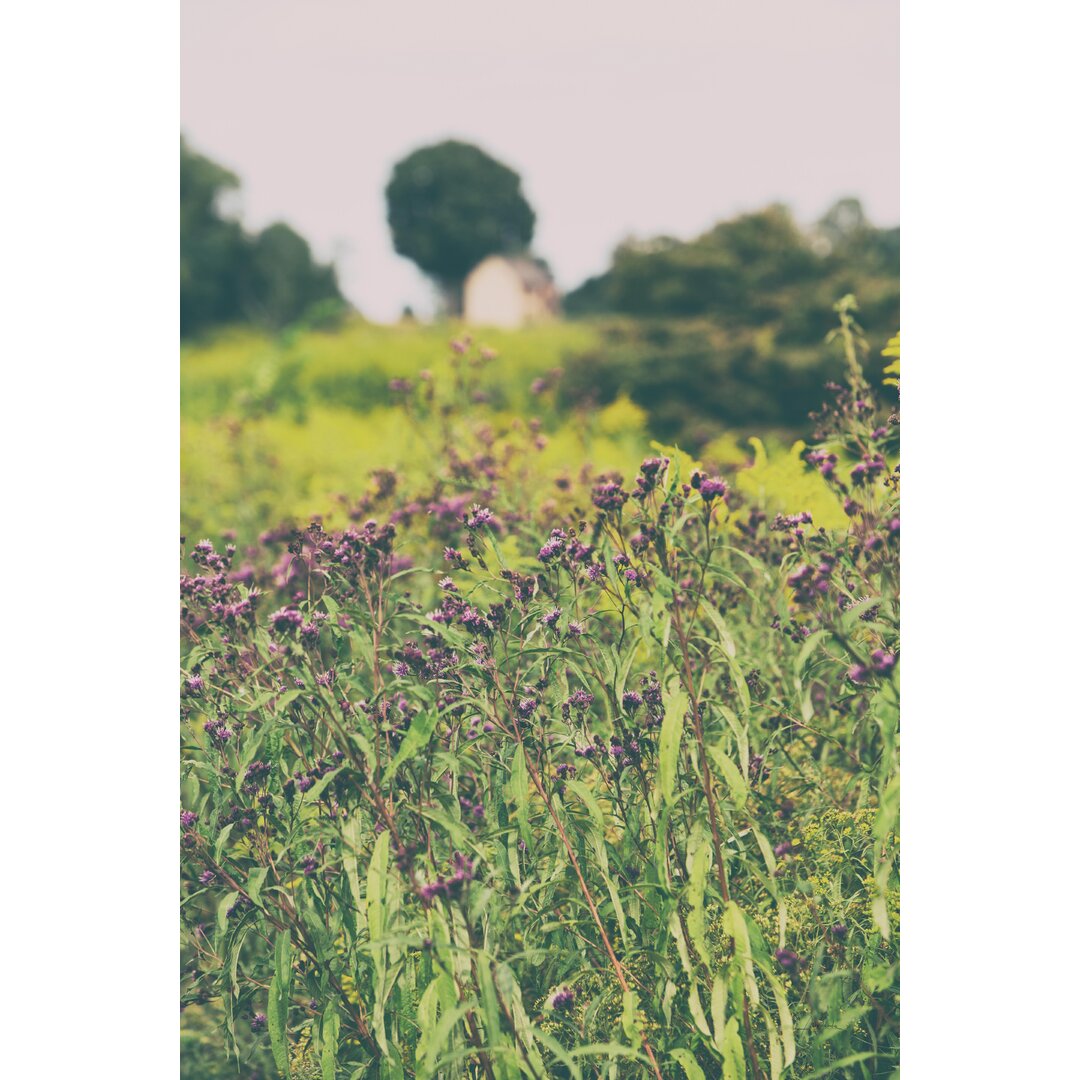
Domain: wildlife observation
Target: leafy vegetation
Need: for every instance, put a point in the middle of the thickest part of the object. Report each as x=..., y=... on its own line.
x=725, y=329
x=228, y=276
x=449, y=206
x=756, y=270
x=526, y=771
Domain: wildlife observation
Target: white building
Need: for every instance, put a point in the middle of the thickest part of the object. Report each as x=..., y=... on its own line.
x=511, y=291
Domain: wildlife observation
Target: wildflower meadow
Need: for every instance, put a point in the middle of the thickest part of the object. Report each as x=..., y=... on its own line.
x=540, y=749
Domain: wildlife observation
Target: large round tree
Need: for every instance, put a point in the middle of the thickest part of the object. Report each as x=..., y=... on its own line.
x=451, y=205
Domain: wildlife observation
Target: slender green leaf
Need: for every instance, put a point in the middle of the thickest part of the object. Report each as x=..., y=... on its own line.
x=689, y=1066
x=670, y=736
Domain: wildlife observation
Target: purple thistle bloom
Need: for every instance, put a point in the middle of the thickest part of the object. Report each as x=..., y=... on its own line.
x=609, y=496
x=581, y=699
x=195, y=684
x=187, y=818
x=217, y=731
x=575, y=629
x=883, y=662
x=650, y=475
x=788, y=960
x=782, y=849
x=258, y=1022
x=553, y=547
x=257, y=771
x=452, y=555
x=562, y=1000
x=632, y=701
x=552, y=617
x=857, y=673
x=712, y=488
x=800, y=576
x=474, y=621
x=207, y=877
x=431, y=890
x=285, y=619
x=478, y=516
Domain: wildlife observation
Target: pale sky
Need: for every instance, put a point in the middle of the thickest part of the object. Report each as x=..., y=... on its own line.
x=623, y=117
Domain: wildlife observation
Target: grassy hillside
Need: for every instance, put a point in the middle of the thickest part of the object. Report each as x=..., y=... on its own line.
x=280, y=429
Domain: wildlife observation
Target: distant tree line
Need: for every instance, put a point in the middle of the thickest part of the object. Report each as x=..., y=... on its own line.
x=756, y=270
x=228, y=275
x=728, y=328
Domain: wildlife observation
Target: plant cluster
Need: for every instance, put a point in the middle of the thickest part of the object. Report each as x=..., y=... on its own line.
x=604, y=783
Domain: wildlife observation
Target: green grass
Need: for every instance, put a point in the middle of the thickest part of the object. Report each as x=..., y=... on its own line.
x=351, y=367
x=282, y=429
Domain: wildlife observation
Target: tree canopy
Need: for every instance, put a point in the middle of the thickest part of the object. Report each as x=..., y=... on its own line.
x=451, y=205
x=757, y=270
x=229, y=276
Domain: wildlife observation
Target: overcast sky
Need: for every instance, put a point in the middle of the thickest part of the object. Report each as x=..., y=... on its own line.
x=622, y=116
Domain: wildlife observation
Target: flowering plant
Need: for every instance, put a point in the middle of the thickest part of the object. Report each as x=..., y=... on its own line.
x=501, y=783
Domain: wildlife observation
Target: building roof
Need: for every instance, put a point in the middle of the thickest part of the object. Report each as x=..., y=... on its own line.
x=532, y=273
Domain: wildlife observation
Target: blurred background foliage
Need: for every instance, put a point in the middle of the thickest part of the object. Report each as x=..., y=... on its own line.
x=228, y=276
x=281, y=428
x=288, y=396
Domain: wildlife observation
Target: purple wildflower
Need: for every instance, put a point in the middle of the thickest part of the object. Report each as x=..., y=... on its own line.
x=882, y=662
x=788, y=960
x=711, y=488
x=581, y=699
x=609, y=496
x=554, y=546
x=285, y=619
x=478, y=516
